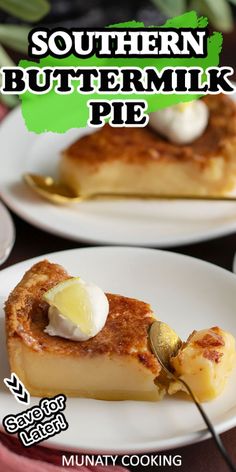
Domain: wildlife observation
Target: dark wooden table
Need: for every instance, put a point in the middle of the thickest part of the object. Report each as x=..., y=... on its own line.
x=31, y=242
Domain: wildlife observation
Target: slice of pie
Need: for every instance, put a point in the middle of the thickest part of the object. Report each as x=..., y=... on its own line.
x=139, y=161
x=205, y=363
x=116, y=364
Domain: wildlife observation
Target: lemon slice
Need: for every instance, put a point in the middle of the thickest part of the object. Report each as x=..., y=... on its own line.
x=183, y=106
x=72, y=300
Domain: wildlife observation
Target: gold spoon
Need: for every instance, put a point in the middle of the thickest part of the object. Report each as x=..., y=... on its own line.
x=57, y=192
x=50, y=189
x=165, y=344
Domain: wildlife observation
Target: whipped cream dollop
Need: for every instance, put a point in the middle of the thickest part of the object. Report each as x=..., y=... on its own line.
x=93, y=309
x=181, y=123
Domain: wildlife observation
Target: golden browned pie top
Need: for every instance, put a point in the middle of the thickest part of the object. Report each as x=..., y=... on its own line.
x=125, y=331
x=210, y=343
x=143, y=145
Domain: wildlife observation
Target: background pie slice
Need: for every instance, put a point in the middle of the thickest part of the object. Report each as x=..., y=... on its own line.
x=138, y=160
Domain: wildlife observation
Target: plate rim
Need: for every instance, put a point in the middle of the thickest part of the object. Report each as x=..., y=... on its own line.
x=12, y=236
x=150, y=446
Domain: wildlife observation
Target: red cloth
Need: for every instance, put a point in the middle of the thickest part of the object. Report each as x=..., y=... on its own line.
x=16, y=458
x=3, y=111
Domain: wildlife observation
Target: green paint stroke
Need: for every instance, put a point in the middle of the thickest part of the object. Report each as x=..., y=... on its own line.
x=58, y=113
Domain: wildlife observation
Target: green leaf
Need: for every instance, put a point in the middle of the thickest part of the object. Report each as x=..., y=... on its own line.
x=219, y=14
x=15, y=37
x=5, y=60
x=193, y=5
x=9, y=100
x=27, y=10
x=171, y=7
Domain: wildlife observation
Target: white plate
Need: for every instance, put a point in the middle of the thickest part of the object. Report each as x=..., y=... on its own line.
x=136, y=222
x=185, y=292
x=7, y=233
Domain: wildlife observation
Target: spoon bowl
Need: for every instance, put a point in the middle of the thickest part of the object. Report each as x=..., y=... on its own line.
x=50, y=189
x=165, y=344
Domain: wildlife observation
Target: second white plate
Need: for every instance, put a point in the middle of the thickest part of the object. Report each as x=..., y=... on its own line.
x=132, y=222
x=7, y=233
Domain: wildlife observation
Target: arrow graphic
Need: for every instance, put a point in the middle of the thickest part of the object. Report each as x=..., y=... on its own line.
x=17, y=389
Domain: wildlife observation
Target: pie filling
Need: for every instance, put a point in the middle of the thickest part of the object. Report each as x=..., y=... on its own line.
x=102, y=377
